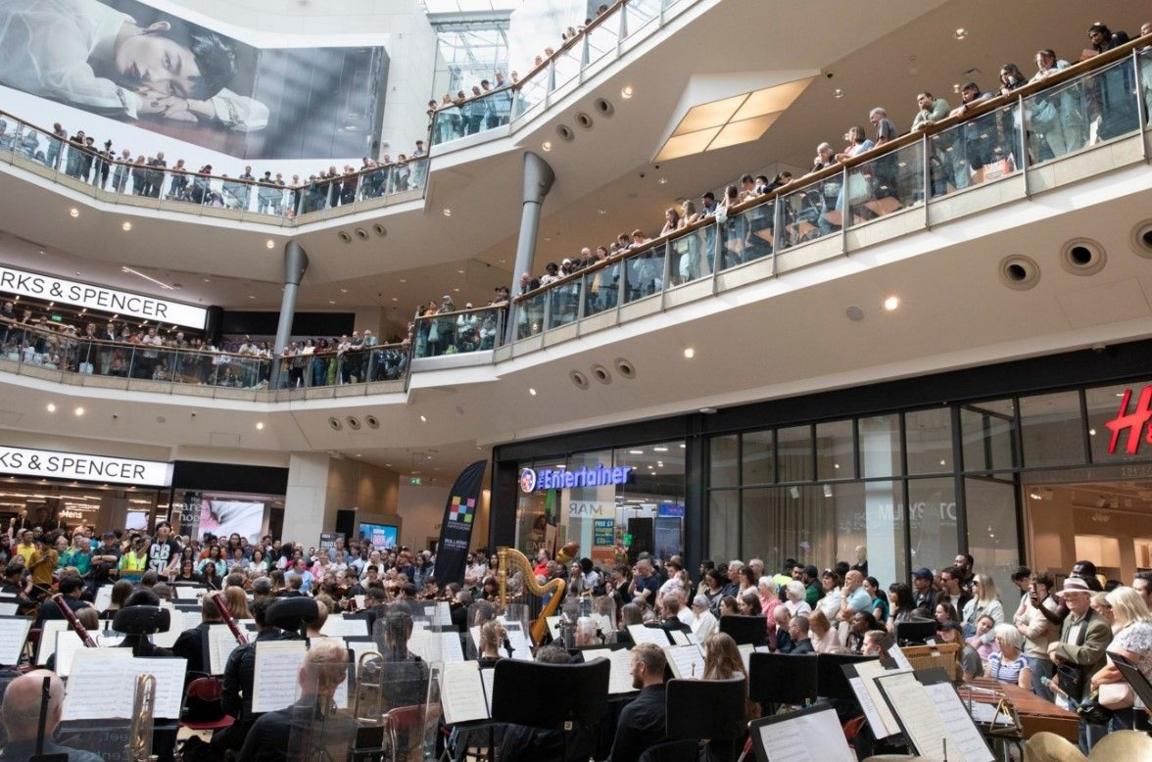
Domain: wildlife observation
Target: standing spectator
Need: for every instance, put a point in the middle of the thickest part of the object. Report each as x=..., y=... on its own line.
x=1038, y=632
x=985, y=602
x=1079, y=653
x=1132, y=639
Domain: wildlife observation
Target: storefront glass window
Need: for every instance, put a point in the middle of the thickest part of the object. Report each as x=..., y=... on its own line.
x=932, y=518
x=724, y=525
x=869, y=526
x=992, y=531
x=759, y=458
x=794, y=453
x=880, y=446
x=725, y=457
x=1103, y=406
x=929, y=437
x=989, y=429
x=1052, y=430
x=835, y=451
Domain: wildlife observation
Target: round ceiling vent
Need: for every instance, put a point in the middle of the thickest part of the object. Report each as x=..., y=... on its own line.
x=604, y=107
x=1083, y=256
x=353, y=423
x=601, y=374
x=565, y=132
x=625, y=368
x=1142, y=238
x=380, y=230
x=578, y=379
x=1019, y=272
x=335, y=423
x=344, y=236
x=584, y=120
x=362, y=234
x=372, y=421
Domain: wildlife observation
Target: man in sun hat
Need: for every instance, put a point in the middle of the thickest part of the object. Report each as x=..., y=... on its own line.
x=1080, y=651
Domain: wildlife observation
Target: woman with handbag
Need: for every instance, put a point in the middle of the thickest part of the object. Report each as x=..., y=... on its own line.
x=1132, y=639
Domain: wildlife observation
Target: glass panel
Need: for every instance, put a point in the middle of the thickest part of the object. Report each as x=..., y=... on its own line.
x=880, y=446
x=761, y=223
x=1057, y=121
x=529, y=315
x=794, y=453
x=834, y=450
x=600, y=289
x=933, y=526
x=758, y=457
x=448, y=124
x=1051, y=430
x=811, y=212
x=689, y=262
x=724, y=524
x=457, y=332
x=644, y=273
x=566, y=65
x=602, y=39
x=530, y=93
x=977, y=151
x=989, y=435
x=725, y=464
x=736, y=240
x=1146, y=78
x=565, y=303
x=928, y=434
x=1106, y=404
x=992, y=531
x=638, y=15
x=869, y=526
x=886, y=184
x=1110, y=95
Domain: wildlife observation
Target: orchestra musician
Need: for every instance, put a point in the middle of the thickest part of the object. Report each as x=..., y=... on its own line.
x=21, y=712
x=192, y=642
x=239, y=674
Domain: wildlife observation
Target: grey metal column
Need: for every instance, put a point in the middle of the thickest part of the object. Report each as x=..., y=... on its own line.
x=538, y=179
x=295, y=264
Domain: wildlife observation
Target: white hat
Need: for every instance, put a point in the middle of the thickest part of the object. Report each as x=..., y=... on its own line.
x=1073, y=585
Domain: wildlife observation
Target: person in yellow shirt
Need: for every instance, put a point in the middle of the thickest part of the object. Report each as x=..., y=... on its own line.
x=25, y=546
x=43, y=562
x=134, y=560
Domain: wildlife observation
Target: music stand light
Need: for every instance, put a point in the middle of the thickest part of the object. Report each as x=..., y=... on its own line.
x=712, y=709
x=783, y=678
x=745, y=629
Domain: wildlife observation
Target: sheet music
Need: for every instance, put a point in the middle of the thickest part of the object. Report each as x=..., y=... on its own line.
x=450, y=649
x=679, y=637
x=919, y=719
x=8, y=609
x=359, y=599
x=620, y=676
x=101, y=688
x=745, y=650
x=361, y=647
x=186, y=593
x=553, y=626
x=67, y=644
x=488, y=680
x=813, y=737
x=169, y=674
x=345, y=628
x=868, y=671
x=521, y=648
x=685, y=661
x=462, y=693
x=443, y=614
x=181, y=620
x=641, y=634
x=899, y=657
x=103, y=598
x=961, y=729
x=277, y=664
x=221, y=644
x=47, y=646
x=693, y=639
x=603, y=623
x=13, y=633
x=871, y=713
x=987, y=714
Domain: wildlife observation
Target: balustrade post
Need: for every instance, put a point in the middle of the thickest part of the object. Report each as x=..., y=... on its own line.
x=777, y=228
x=1023, y=145
x=926, y=174
x=845, y=210
x=1141, y=107
x=665, y=278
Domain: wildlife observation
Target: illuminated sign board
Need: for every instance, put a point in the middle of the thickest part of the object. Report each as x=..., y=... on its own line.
x=1135, y=424
x=45, y=464
x=39, y=286
x=551, y=479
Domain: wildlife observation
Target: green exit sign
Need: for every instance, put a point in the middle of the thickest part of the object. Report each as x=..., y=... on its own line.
x=415, y=481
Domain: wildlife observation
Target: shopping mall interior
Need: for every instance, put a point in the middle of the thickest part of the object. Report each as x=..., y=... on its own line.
x=713, y=279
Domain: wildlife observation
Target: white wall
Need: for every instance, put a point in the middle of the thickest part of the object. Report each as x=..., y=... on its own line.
x=422, y=509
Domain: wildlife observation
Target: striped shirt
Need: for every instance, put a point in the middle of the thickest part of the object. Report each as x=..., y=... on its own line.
x=1005, y=670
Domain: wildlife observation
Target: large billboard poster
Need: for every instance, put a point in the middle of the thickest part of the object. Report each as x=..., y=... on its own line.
x=106, y=65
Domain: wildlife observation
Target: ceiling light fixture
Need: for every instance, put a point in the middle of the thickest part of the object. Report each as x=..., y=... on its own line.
x=259, y=425
x=129, y=271
x=626, y=92
x=546, y=145
x=51, y=407
x=531, y=391
x=960, y=33
x=838, y=93
x=74, y=212
x=125, y=226
x=423, y=419
x=270, y=244
x=79, y=411
x=447, y=212
x=892, y=303
x=689, y=353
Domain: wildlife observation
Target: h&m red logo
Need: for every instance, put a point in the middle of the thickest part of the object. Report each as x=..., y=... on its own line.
x=1135, y=423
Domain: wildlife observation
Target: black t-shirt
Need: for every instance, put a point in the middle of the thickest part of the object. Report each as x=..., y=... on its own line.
x=160, y=554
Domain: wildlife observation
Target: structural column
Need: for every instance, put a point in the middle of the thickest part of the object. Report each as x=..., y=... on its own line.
x=295, y=264
x=538, y=179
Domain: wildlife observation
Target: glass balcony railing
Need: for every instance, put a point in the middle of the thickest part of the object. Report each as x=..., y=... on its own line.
x=181, y=189
x=607, y=37
x=457, y=333
x=384, y=362
x=1010, y=137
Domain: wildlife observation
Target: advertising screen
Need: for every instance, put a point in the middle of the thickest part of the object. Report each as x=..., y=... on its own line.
x=380, y=535
x=121, y=69
x=225, y=517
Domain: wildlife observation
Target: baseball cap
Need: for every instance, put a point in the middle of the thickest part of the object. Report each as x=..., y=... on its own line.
x=923, y=573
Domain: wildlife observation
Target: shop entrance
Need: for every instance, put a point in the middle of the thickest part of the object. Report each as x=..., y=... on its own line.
x=1102, y=514
x=53, y=505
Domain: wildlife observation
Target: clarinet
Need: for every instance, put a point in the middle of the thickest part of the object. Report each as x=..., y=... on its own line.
x=66, y=610
x=222, y=607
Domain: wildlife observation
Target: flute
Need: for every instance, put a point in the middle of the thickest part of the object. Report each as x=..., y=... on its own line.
x=66, y=610
x=226, y=615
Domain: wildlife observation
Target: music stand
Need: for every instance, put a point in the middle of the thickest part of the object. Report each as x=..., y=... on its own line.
x=782, y=678
x=831, y=682
x=1135, y=678
x=819, y=722
x=712, y=709
x=918, y=631
x=745, y=629
x=580, y=704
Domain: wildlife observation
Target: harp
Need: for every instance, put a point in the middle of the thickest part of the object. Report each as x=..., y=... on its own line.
x=512, y=560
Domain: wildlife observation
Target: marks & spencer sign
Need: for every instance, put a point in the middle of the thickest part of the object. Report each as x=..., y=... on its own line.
x=546, y=479
x=46, y=464
x=1133, y=426
x=54, y=289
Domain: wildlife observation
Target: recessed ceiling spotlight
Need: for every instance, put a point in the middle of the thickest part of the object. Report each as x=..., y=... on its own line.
x=331, y=301
x=447, y=212
x=79, y=411
x=546, y=145
x=423, y=419
x=395, y=299
x=459, y=272
x=259, y=425
x=960, y=33
x=270, y=244
x=892, y=303
x=51, y=407
x=343, y=290
x=74, y=212
x=663, y=181
x=455, y=290
x=838, y=93
x=251, y=296
x=689, y=353
x=955, y=87
x=532, y=391
x=125, y=226
x=708, y=410
x=626, y=92
x=602, y=211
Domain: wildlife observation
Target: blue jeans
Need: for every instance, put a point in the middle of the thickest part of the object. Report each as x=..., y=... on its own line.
x=1041, y=668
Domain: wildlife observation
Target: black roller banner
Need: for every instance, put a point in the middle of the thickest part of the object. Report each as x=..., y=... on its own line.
x=456, y=529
